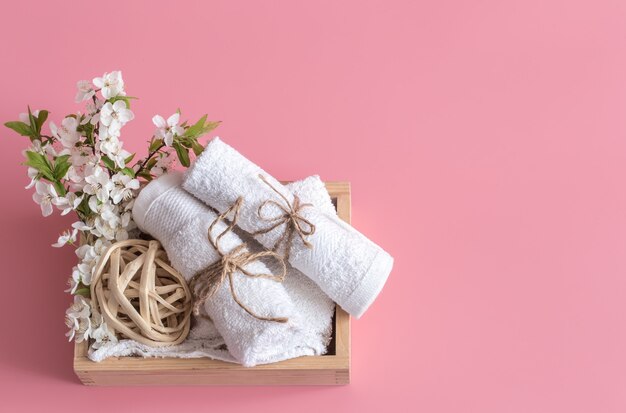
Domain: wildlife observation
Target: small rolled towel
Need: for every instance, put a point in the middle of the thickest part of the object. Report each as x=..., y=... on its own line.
x=315, y=307
x=344, y=263
x=180, y=222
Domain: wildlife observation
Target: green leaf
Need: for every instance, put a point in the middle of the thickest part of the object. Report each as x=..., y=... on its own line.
x=41, y=119
x=61, y=166
x=197, y=148
x=84, y=208
x=62, y=158
x=183, y=154
x=151, y=163
x=186, y=142
x=87, y=128
x=85, y=292
x=126, y=99
x=145, y=175
x=31, y=118
x=130, y=158
x=60, y=188
x=208, y=127
x=155, y=144
x=19, y=127
x=128, y=172
x=108, y=162
x=196, y=128
x=40, y=163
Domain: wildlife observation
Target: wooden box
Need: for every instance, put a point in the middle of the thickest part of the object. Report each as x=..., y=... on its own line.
x=332, y=368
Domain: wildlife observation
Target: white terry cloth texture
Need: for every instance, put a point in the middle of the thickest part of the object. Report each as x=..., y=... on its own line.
x=180, y=222
x=204, y=340
x=313, y=304
x=349, y=268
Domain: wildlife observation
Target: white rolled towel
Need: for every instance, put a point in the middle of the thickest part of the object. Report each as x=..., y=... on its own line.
x=313, y=305
x=180, y=222
x=349, y=268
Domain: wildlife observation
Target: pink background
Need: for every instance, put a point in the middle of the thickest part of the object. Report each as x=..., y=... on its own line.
x=486, y=145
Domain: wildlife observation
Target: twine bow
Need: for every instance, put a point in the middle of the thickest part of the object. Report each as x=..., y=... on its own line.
x=290, y=217
x=206, y=282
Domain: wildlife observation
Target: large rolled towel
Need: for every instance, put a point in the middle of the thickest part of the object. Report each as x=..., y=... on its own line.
x=180, y=222
x=344, y=263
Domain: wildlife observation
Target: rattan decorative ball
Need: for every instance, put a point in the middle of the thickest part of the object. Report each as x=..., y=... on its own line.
x=140, y=295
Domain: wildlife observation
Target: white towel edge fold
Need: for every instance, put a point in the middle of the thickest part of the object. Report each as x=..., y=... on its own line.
x=153, y=191
x=371, y=285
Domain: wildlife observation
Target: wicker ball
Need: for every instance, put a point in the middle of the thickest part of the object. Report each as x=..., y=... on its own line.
x=140, y=295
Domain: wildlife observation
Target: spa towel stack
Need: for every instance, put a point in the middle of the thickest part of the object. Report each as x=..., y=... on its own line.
x=347, y=266
x=180, y=222
x=315, y=308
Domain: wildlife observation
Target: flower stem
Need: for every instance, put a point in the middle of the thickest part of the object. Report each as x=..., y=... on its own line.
x=150, y=155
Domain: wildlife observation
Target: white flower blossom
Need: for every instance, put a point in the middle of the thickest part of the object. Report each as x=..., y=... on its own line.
x=32, y=174
x=115, y=115
x=85, y=271
x=68, y=237
x=79, y=156
x=73, y=281
x=77, y=319
x=112, y=147
x=85, y=91
x=76, y=179
x=43, y=149
x=169, y=129
x=126, y=219
x=110, y=84
x=101, y=333
x=93, y=108
x=109, y=141
x=90, y=254
x=124, y=187
x=98, y=183
x=81, y=273
x=81, y=226
x=45, y=195
x=107, y=223
x=100, y=246
x=68, y=203
x=86, y=253
x=67, y=133
x=103, y=228
x=24, y=116
x=163, y=164
x=120, y=157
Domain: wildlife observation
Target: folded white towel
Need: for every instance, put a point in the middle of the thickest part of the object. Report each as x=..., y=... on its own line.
x=180, y=222
x=315, y=307
x=203, y=341
x=344, y=263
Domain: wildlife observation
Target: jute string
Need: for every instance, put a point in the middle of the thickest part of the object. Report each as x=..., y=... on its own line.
x=289, y=216
x=206, y=282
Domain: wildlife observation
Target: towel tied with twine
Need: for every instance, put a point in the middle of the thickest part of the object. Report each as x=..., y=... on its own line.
x=289, y=215
x=206, y=282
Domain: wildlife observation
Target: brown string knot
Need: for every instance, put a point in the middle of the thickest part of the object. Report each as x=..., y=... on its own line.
x=206, y=282
x=290, y=217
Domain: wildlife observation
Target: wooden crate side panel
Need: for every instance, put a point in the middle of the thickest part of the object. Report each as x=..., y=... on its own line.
x=217, y=377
